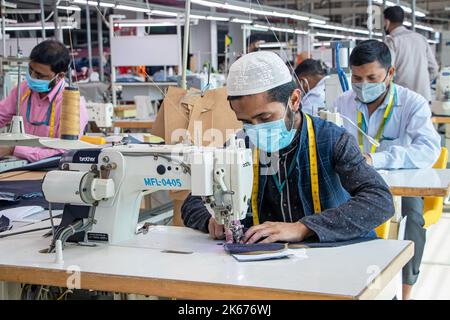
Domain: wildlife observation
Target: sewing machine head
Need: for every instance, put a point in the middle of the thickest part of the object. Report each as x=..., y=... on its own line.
x=108, y=185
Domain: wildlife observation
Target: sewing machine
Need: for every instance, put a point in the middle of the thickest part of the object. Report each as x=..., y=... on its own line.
x=103, y=188
x=100, y=113
x=441, y=106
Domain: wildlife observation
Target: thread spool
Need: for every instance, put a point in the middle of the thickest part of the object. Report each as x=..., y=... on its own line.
x=70, y=114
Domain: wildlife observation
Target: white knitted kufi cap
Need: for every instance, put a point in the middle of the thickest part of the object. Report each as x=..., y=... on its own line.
x=257, y=72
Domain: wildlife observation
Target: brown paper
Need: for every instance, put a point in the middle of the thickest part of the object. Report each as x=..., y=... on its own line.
x=206, y=121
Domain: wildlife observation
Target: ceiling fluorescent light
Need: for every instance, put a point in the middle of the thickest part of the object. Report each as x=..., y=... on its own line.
x=331, y=35
x=312, y=20
x=196, y=16
x=217, y=18
x=321, y=44
x=250, y=10
x=405, y=8
x=207, y=3
x=327, y=26
x=297, y=17
x=69, y=8
x=241, y=21
x=150, y=24
x=259, y=26
x=129, y=8
x=37, y=27
x=106, y=4
x=418, y=26
x=282, y=29
x=273, y=45
x=163, y=13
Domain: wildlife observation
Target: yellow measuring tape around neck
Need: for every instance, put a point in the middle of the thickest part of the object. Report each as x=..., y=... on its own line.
x=52, y=116
x=386, y=117
x=314, y=173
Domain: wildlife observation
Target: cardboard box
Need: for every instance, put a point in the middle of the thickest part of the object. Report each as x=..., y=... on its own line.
x=187, y=116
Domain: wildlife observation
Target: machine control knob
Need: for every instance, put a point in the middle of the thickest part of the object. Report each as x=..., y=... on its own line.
x=161, y=169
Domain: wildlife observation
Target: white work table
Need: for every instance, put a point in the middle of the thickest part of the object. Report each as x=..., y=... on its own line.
x=414, y=183
x=202, y=270
x=418, y=182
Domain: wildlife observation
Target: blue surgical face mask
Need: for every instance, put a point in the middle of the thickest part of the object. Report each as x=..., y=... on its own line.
x=38, y=85
x=369, y=92
x=272, y=136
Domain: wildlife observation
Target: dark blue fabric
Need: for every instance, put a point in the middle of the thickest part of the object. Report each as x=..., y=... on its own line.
x=252, y=248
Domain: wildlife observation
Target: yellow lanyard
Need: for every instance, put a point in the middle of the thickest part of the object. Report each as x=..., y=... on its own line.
x=314, y=174
x=386, y=117
x=52, y=116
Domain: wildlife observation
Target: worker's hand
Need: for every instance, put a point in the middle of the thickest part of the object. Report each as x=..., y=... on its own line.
x=6, y=151
x=277, y=231
x=368, y=159
x=216, y=231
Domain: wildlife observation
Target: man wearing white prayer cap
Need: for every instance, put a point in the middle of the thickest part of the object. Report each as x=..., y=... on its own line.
x=313, y=182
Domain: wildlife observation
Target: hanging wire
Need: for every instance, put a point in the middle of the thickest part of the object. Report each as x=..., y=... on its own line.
x=72, y=54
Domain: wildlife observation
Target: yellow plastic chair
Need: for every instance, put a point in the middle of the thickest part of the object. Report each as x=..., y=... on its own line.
x=382, y=231
x=432, y=206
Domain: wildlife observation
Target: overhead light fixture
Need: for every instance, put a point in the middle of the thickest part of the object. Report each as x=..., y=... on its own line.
x=273, y=45
x=259, y=26
x=130, y=8
x=331, y=35
x=249, y=10
x=235, y=20
x=212, y=18
x=69, y=8
x=312, y=20
x=95, y=3
x=418, y=26
x=217, y=18
x=321, y=44
x=418, y=13
x=34, y=27
x=327, y=26
x=163, y=13
x=288, y=30
x=106, y=4
x=196, y=16
x=155, y=24
x=340, y=28
x=272, y=28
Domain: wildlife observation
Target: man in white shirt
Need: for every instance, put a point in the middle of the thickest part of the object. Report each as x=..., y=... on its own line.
x=400, y=121
x=412, y=57
x=310, y=77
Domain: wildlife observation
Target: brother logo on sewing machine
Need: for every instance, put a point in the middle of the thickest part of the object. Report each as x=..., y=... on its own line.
x=87, y=159
x=83, y=156
x=151, y=182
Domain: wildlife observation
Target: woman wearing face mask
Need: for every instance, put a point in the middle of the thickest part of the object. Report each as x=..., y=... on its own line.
x=311, y=75
x=40, y=100
x=400, y=121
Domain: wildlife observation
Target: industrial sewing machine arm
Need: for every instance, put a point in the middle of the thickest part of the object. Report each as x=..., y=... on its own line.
x=108, y=185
